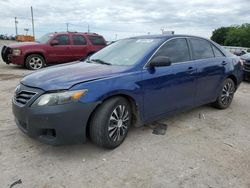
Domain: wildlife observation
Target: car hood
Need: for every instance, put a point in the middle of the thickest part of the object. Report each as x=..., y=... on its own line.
x=245, y=57
x=22, y=44
x=66, y=75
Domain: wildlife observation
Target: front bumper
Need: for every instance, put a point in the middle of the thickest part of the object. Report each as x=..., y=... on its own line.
x=54, y=125
x=5, y=53
x=8, y=58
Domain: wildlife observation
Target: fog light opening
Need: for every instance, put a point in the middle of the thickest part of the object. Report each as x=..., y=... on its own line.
x=49, y=133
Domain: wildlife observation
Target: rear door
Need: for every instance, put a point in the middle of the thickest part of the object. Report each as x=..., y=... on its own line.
x=79, y=47
x=210, y=63
x=59, y=53
x=167, y=89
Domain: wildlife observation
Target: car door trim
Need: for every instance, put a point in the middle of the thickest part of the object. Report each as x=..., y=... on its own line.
x=190, y=51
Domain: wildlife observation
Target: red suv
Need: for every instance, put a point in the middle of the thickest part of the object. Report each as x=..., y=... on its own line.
x=53, y=48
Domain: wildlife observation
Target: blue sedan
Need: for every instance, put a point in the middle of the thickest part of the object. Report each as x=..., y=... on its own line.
x=133, y=81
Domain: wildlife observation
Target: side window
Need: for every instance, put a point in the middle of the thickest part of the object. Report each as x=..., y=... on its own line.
x=79, y=40
x=176, y=50
x=217, y=52
x=63, y=39
x=201, y=49
x=97, y=40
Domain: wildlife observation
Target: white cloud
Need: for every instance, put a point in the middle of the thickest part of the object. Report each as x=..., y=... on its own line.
x=124, y=18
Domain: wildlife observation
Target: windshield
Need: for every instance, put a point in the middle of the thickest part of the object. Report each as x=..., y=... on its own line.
x=45, y=38
x=124, y=52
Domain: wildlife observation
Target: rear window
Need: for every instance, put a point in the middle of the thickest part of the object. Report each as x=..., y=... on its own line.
x=97, y=40
x=217, y=52
x=79, y=40
x=201, y=49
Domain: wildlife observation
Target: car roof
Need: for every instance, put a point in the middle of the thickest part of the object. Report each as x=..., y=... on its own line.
x=162, y=36
x=245, y=56
x=166, y=37
x=81, y=33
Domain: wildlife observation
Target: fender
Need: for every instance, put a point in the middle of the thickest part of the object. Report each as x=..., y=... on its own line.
x=36, y=51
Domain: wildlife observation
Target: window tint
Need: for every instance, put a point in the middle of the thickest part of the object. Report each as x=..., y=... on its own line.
x=79, y=40
x=217, y=52
x=201, y=49
x=176, y=50
x=63, y=39
x=126, y=52
x=96, y=40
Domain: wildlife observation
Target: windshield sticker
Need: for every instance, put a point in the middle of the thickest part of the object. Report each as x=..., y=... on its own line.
x=145, y=40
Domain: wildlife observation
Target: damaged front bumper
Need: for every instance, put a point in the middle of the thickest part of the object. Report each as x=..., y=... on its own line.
x=8, y=58
x=6, y=54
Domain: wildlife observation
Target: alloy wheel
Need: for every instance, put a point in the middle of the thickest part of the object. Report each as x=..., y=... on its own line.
x=36, y=63
x=118, y=123
x=227, y=93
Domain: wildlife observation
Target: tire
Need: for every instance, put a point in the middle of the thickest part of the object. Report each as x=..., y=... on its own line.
x=110, y=123
x=34, y=62
x=226, y=95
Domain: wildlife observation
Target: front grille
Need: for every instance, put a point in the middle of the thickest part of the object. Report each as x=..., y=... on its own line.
x=6, y=52
x=23, y=97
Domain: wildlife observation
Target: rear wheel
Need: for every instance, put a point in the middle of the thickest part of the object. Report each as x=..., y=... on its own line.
x=110, y=123
x=34, y=62
x=226, y=95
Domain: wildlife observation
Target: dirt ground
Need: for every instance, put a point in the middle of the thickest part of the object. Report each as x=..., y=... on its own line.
x=203, y=148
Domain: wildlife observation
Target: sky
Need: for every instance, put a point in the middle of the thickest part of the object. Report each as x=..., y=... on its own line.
x=116, y=19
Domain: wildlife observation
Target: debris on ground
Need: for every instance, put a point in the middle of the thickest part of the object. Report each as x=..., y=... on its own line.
x=15, y=183
x=158, y=128
x=202, y=116
x=228, y=145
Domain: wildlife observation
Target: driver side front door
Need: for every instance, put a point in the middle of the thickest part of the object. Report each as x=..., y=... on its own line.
x=59, y=53
x=171, y=88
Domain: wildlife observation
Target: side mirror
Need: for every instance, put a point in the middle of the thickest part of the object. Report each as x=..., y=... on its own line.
x=54, y=42
x=160, y=61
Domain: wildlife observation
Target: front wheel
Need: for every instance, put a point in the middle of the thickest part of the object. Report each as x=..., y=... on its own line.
x=110, y=123
x=226, y=95
x=34, y=62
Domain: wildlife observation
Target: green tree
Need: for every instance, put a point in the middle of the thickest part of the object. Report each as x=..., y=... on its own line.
x=219, y=35
x=233, y=36
x=239, y=36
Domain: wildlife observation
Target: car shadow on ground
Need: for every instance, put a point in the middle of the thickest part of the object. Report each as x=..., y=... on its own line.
x=89, y=151
x=11, y=66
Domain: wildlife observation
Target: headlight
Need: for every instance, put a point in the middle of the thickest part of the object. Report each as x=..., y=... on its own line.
x=16, y=52
x=52, y=99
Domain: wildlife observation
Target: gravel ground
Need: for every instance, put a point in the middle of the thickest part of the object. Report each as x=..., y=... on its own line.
x=203, y=147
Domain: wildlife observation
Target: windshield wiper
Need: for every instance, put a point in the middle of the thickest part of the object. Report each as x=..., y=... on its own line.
x=100, y=61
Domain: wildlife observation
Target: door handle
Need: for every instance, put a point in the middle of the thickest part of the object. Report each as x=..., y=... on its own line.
x=190, y=70
x=223, y=63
